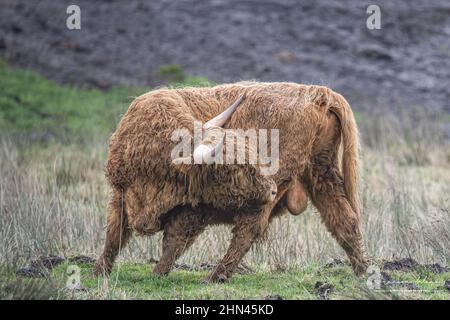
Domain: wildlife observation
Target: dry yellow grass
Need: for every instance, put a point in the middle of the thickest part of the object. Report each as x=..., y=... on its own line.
x=52, y=201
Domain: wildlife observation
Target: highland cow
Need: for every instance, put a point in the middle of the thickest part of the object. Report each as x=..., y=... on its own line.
x=153, y=192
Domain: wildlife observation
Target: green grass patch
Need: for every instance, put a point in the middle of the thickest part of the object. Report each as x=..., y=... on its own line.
x=34, y=106
x=175, y=76
x=31, y=104
x=136, y=281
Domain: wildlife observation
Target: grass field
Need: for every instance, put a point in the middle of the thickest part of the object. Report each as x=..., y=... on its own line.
x=53, y=196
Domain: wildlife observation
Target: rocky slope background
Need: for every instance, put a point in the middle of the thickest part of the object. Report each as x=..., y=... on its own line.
x=405, y=64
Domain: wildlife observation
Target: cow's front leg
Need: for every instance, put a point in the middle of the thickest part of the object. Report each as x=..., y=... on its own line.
x=179, y=233
x=247, y=229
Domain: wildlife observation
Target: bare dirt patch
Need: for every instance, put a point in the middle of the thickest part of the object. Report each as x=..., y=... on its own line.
x=39, y=267
x=408, y=264
x=323, y=290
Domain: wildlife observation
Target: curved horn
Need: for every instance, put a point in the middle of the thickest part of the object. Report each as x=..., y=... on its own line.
x=221, y=119
x=209, y=148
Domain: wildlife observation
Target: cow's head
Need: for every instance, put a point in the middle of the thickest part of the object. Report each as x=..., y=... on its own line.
x=225, y=186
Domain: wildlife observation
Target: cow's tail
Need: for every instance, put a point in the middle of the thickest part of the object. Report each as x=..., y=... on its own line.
x=350, y=156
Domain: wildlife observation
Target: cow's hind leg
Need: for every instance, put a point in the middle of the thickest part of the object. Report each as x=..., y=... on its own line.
x=117, y=234
x=180, y=231
x=328, y=196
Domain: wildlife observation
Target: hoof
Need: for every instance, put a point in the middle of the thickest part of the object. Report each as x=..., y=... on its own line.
x=100, y=270
x=160, y=272
x=360, y=269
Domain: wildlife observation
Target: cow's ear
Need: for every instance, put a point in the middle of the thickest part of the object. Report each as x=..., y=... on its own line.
x=183, y=165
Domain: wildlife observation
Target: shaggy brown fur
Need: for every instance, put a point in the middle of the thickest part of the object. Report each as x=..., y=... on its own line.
x=152, y=194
